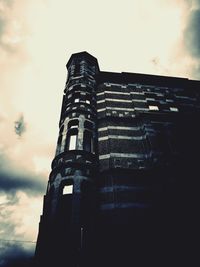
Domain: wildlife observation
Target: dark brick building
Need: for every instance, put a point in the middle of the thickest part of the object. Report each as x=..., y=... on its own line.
x=123, y=190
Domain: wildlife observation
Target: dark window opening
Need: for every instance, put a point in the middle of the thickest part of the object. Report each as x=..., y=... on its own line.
x=88, y=142
x=59, y=140
x=76, y=98
x=73, y=124
x=88, y=125
x=62, y=129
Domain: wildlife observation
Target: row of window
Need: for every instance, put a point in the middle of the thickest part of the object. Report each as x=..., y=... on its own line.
x=75, y=123
x=145, y=88
x=175, y=109
x=151, y=107
x=139, y=98
x=80, y=97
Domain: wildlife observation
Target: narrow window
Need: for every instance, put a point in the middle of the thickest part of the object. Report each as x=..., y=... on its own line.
x=88, y=125
x=68, y=189
x=88, y=142
x=88, y=99
x=72, y=141
x=58, y=149
x=59, y=140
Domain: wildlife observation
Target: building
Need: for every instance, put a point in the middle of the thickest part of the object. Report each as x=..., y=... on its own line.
x=123, y=188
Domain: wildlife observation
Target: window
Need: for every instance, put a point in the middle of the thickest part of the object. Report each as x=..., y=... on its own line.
x=72, y=135
x=88, y=142
x=68, y=189
x=59, y=140
x=72, y=141
x=153, y=108
x=87, y=99
x=88, y=125
x=173, y=109
x=58, y=150
x=61, y=129
x=70, y=95
x=76, y=100
x=73, y=124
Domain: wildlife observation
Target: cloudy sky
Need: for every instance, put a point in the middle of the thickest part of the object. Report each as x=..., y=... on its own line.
x=37, y=38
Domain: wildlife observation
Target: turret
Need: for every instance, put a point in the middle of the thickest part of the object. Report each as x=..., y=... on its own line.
x=69, y=203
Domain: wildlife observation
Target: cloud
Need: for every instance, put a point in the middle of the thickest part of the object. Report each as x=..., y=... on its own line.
x=20, y=126
x=19, y=217
x=191, y=33
x=191, y=36
x=15, y=255
x=14, y=178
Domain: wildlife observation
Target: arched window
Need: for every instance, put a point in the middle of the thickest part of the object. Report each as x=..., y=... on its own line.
x=88, y=141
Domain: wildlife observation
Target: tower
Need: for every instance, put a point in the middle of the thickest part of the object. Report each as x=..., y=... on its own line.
x=69, y=202
x=123, y=185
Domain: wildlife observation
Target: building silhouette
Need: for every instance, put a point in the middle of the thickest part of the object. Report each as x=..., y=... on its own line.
x=123, y=190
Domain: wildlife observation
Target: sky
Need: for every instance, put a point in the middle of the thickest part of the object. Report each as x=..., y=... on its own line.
x=37, y=37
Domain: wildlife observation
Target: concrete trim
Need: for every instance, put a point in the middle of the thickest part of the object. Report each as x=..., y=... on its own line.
x=124, y=155
x=119, y=128
x=115, y=108
x=122, y=137
x=113, y=100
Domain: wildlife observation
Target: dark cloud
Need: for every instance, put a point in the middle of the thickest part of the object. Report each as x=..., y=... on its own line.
x=20, y=126
x=12, y=178
x=192, y=33
x=13, y=254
